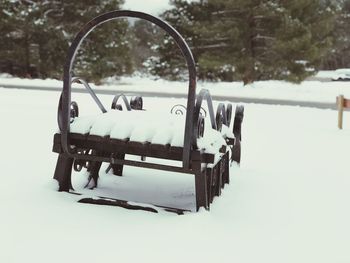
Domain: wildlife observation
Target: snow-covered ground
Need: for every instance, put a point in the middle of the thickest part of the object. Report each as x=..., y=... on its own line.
x=313, y=91
x=287, y=202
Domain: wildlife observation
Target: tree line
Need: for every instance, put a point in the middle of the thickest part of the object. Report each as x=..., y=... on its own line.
x=231, y=40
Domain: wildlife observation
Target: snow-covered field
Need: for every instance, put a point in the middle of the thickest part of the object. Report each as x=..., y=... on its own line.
x=287, y=202
x=313, y=91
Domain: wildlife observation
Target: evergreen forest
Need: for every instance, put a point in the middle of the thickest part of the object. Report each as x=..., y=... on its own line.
x=231, y=40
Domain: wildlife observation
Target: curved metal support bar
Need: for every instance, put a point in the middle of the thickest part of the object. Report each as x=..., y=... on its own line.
x=237, y=131
x=228, y=114
x=237, y=124
x=185, y=50
x=126, y=102
x=220, y=116
x=73, y=112
x=203, y=112
x=89, y=89
x=136, y=103
x=203, y=95
x=224, y=113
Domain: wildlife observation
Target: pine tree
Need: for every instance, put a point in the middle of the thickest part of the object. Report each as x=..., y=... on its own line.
x=252, y=39
x=36, y=37
x=339, y=55
x=144, y=37
x=169, y=63
x=304, y=37
x=18, y=50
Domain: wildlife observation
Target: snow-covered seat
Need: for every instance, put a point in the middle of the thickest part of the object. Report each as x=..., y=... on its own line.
x=149, y=128
x=201, y=145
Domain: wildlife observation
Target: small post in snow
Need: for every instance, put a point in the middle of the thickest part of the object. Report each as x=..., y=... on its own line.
x=340, y=104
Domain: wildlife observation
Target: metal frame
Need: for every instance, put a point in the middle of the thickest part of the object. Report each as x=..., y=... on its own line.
x=67, y=75
x=89, y=151
x=125, y=100
x=91, y=92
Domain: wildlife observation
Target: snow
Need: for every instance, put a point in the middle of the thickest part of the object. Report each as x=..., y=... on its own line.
x=325, y=74
x=313, y=91
x=83, y=125
x=212, y=140
x=342, y=74
x=141, y=126
x=287, y=202
x=163, y=135
x=227, y=132
x=154, y=7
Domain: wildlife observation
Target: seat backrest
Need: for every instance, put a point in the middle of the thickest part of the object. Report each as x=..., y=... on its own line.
x=181, y=43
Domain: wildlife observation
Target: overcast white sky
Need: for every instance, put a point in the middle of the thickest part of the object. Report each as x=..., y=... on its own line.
x=154, y=7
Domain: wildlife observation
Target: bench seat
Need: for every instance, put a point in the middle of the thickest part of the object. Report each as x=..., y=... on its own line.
x=146, y=128
x=191, y=143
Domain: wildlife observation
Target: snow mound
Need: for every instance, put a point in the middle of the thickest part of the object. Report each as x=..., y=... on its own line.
x=142, y=126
